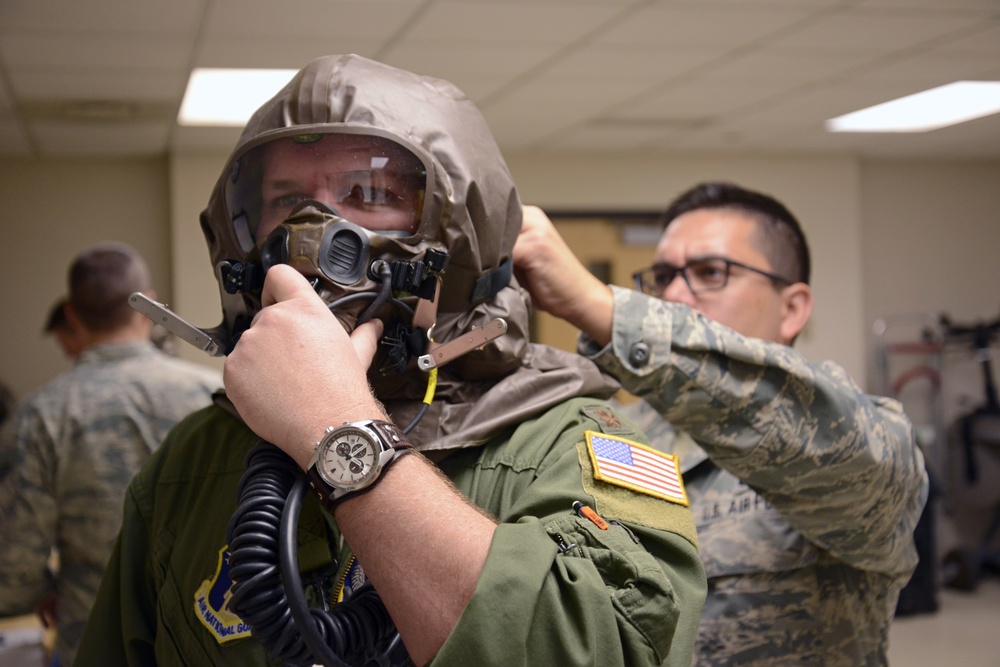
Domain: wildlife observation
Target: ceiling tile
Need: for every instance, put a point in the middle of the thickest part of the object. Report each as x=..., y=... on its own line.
x=952, y=6
x=472, y=66
x=511, y=21
x=204, y=138
x=611, y=138
x=101, y=16
x=700, y=98
x=276, y=52
x=929, y=69
x=603, y=75
x=60, y=139
x=650, y=64
x=565, y=104
x=90, y=51
x=985, y=40
x=877, y=31
x=300, y=19
x=32, y=84
x=819, y=103
x=792, y=66
x=721, y=24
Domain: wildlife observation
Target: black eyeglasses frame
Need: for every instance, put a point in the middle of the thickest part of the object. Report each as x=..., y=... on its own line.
x=639, y=283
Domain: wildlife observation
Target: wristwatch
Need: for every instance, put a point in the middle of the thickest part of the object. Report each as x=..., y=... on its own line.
x=350, y=459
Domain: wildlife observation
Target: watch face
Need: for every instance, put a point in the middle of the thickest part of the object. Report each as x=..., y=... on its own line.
x=348, y=460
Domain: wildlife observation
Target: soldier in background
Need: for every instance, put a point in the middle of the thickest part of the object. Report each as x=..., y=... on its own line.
x=805, y=491
x=70, y=449
x=70, y=339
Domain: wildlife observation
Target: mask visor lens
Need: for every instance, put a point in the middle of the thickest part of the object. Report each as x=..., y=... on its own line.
x=371, y=181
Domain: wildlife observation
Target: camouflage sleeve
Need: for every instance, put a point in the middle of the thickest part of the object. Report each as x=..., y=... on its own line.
x=121, y=629
x=842, y=467
x=28, y=512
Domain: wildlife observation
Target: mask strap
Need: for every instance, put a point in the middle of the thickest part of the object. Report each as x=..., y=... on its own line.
x=425, y=314
x=491, y=282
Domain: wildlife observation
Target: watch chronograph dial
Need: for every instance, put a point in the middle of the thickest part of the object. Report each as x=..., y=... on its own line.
x=349, y=459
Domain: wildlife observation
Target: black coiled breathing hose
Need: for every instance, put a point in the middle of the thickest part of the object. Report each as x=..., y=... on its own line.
x=263, y=566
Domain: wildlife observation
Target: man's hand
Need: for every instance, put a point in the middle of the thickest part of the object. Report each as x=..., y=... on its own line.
x=558, y=283
x=295, y=371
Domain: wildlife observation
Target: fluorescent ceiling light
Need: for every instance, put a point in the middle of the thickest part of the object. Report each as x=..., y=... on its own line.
x=932, y=109
x=228, y=97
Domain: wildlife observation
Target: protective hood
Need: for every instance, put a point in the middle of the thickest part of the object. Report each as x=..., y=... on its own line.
x=470, y=210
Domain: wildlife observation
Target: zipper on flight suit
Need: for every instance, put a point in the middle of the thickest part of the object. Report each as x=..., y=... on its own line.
x=562, y=546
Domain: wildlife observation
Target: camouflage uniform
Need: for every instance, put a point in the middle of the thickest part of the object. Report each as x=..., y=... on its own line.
x=66, y=457
x=806, y=509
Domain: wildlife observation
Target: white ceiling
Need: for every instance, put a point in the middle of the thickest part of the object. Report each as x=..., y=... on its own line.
x=106, y=77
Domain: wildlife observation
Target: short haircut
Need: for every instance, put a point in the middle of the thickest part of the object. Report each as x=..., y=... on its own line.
x=57, y=317
x=101, y=279
x=779, y=238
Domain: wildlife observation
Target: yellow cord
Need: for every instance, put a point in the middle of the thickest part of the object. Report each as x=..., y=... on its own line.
x=432, y=380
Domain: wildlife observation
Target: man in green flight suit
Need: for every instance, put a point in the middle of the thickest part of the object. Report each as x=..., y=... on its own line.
x=805, y=490
x=531, y=527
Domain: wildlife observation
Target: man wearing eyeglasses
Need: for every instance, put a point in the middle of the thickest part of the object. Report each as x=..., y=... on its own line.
x=804, y=489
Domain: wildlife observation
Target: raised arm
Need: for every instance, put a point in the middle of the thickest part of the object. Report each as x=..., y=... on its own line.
x=559, y=284
x=841, y=466
x=295, y=372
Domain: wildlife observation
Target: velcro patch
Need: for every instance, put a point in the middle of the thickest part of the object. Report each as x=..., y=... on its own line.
x=211, y=604
x=607, y=420
x=637, y=467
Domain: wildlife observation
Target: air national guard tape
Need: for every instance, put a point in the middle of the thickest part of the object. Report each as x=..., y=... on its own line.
x=637, y=467
x=211, y=604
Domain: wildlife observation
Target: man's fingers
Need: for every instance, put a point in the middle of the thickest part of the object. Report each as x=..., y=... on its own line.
x=282, y=283
x=365, y=339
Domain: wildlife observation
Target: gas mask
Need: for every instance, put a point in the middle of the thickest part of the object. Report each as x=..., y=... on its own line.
x=415, y=166
x=344, y=209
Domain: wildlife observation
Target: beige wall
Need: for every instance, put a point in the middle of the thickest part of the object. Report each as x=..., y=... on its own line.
x=931, y=239
x=51, y=211
x=195, y=289
x=887, y=237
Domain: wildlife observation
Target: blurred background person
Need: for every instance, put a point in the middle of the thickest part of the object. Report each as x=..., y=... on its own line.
x=70, y=449
x=70, y=338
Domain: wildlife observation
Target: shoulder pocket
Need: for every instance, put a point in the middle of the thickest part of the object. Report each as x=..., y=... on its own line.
x=640, y=591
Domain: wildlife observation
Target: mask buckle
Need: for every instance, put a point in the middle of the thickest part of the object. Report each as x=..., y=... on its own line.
x=439, y=355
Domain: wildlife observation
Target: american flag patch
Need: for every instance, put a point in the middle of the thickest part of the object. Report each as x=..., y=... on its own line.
x=637, y=467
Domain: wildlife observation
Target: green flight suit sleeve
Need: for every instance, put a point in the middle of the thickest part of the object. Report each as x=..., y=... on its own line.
x=842, y=467
x=556, y=589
